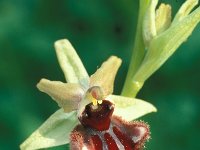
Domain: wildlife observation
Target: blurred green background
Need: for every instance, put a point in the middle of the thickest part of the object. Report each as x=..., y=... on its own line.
x=97, y=29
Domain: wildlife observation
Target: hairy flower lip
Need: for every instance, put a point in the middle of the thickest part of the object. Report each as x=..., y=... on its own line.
x=120, y=135
x=99, y=132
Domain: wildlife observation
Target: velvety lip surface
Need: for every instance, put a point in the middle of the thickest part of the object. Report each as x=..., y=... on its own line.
x=102, y=131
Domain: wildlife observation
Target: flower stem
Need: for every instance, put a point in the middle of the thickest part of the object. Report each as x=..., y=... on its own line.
x=131, y=88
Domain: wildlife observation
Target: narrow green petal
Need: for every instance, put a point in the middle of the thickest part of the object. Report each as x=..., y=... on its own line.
x=130, y=108
x=53, y=132
x=67, y=95
x=105, y=75
x=70, y=63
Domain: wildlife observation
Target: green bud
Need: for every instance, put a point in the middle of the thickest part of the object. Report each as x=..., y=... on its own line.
x=185, y=9
x=163, y=18
x=161, y=38
x=149, y=26
x=165, y=44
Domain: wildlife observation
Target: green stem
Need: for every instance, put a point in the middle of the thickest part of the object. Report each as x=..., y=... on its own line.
x=131, y=88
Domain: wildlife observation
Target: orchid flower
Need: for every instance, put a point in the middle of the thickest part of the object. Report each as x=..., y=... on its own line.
x=90, y=116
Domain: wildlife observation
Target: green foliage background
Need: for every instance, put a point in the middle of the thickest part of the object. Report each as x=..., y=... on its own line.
x=97, y=29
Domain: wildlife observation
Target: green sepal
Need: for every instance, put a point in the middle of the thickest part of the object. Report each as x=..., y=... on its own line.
x=70, y=63
x=130, y=108
x=54, y=131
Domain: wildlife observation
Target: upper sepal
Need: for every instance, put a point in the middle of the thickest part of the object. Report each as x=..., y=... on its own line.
x=70, y=63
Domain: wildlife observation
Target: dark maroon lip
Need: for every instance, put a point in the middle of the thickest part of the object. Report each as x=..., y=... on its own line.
x=120, y=135
x=100, y=130
x=99, y=118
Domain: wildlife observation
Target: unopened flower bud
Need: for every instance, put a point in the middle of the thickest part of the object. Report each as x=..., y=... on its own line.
x=149, y=26
x=163, y=18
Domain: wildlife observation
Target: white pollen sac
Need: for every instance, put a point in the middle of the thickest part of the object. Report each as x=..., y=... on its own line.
x=100, y=101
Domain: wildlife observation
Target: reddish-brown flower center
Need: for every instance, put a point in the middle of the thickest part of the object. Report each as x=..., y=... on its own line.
x=97, y=118
x=101, y=131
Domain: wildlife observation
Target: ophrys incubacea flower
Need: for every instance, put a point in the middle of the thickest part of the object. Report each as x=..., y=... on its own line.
x=90, y=116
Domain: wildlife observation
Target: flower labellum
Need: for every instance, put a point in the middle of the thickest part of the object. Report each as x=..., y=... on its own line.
x=99, y=130
x=97, y=118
